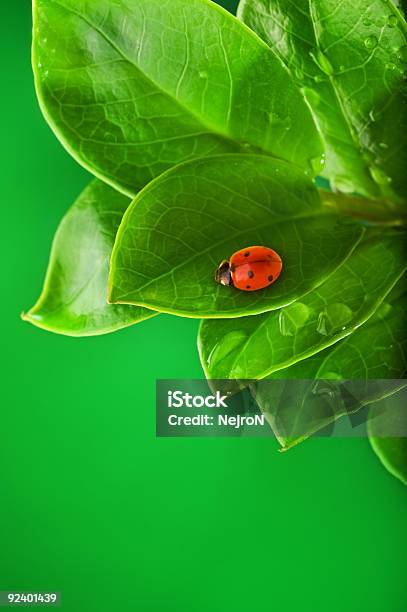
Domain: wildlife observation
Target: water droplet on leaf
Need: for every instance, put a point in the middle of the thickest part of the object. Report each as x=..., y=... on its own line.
x=392, y=21
x=317, y=164
x=379, y=176
x=229, y=343
x=402, y=54
x=384, y=310
x=332, y=376
x=292, y=317
x=371, y=42
x=323, y=387
x=334, y=318
x=372, y=116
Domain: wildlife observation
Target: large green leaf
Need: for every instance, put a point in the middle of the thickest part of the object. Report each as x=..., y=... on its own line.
x=375, y=351
x=349, y=59
x=74, y=298
x=255, y=347
x=383, y=425
x=182, y=225
x=133, y=87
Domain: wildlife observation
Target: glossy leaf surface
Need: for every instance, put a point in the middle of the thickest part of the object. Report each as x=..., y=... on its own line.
x=375, y=351
x=134, y=87
x=74, y=298
x=349, y=59
x=180, y=227
x=254, y=347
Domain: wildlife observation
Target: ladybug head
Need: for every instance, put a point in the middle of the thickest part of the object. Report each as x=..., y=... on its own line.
x=223, y=275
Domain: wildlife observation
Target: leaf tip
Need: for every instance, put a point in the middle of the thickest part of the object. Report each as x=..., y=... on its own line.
x=25, y=316
x=111, y=297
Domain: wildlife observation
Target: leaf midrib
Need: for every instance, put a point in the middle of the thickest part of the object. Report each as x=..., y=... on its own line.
x=231, y=236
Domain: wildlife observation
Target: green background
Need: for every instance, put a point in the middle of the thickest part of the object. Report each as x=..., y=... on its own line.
x=93, y=505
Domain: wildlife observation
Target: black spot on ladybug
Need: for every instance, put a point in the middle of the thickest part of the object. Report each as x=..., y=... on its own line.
x=270, y=278
x=247, y=254
x=247, y=286
x=250, y=274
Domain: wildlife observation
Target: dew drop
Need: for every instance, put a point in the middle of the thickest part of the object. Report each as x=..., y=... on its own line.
x=371, y=42
x=317, y=164
x=379, y=176
x=333, y=318
x=292, y=317
x=324, y=387
x=367, y=22
x=384, y=310
x=392, y=21
x=203, y=74
x=402, y=54
x=229, y=343
x=332, y=376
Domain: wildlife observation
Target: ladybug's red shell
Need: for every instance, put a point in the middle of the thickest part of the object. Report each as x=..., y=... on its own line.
x=255, y=268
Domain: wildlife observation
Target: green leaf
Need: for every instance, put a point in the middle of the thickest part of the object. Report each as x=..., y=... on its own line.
x=382, y=427
x=401, y=5
x=74, y=298
x=182, y=225
x=392, y=452
x=255, y=347
x=132, y=88
x=349, y=59
x=373, y=352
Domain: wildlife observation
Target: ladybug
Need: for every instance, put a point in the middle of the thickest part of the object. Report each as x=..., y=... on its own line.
x=250, y=269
